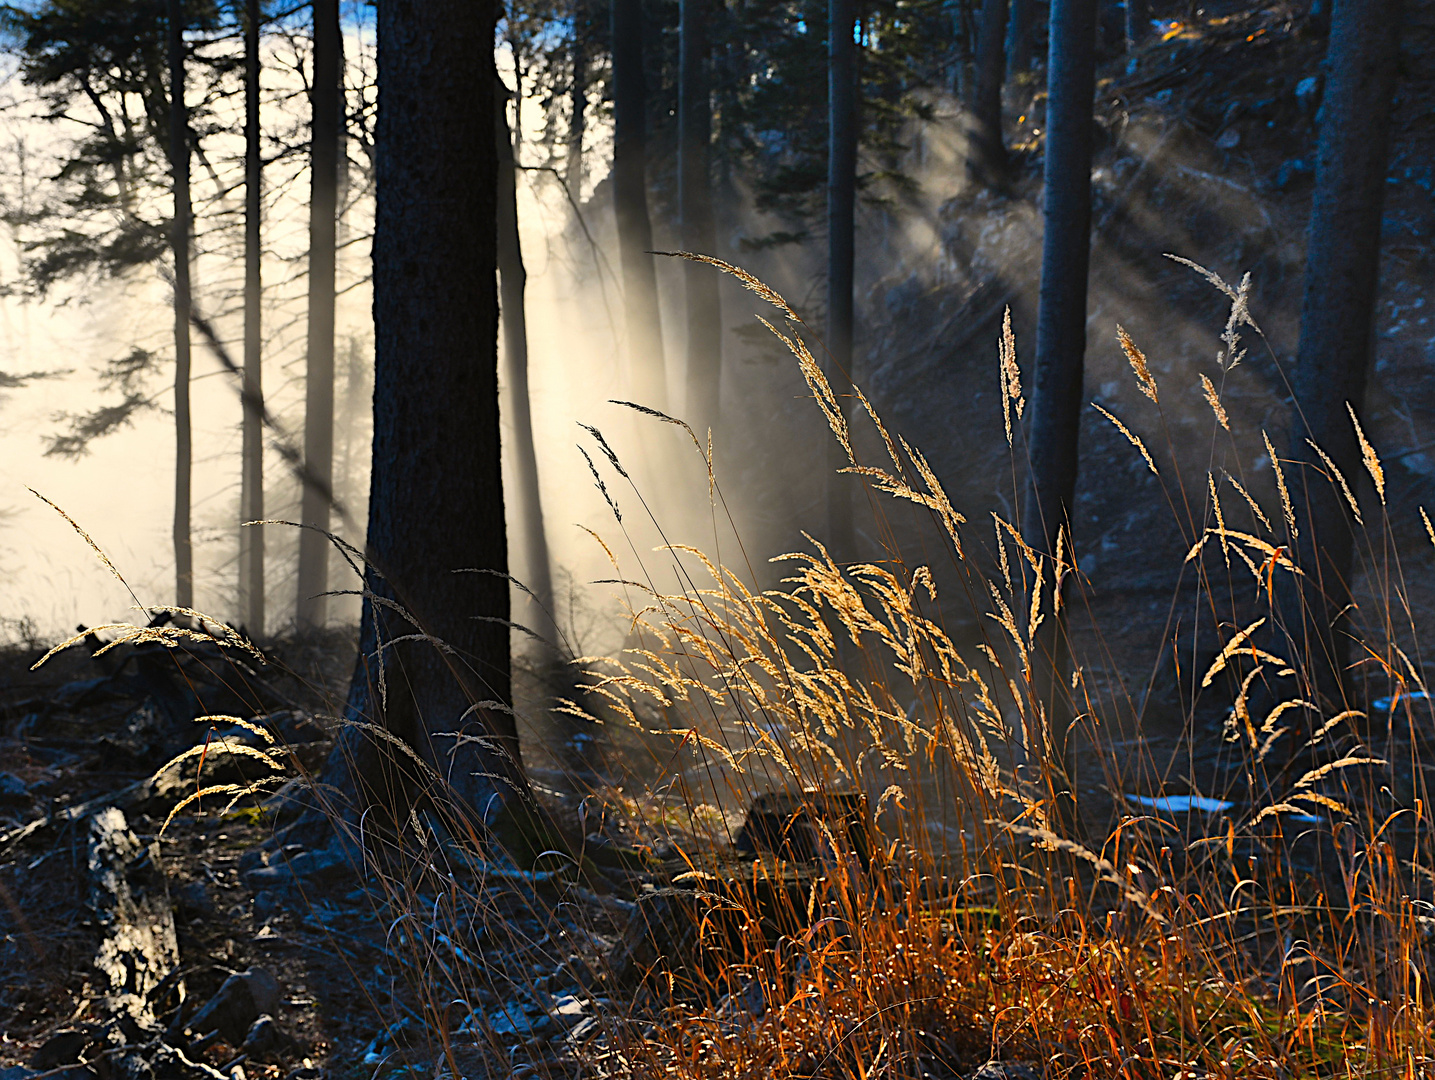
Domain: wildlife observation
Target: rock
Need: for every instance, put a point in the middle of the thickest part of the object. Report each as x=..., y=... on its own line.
x=742, y=1006
x=568, y=1010
x=244, y=997
x=266, y=906
x=788, y=824
x=1005, y=1070
x=195, y=899
x=1291, y=173
x=13, y=789
x=64, y=1047
x=265, y=1041
x=387, y=1041
x=285, y=868
x=584, y=1029
x=512, y=1020
x=662, y=934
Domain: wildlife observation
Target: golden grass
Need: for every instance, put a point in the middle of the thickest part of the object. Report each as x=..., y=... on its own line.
x=965, y=926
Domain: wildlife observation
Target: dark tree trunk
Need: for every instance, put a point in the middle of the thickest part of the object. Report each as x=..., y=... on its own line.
x=1337, y=326
x=577, y=102
x=513, y=279
x=326, y=101
x=436, y=488
x=1060, y=356
x=183, y=302
x=695, y=208
x=251, y=482
x=1021, y=51
x=963, y=51
x=630, y=205
x=1138, y=22
x=988, y=160
x=841, y=205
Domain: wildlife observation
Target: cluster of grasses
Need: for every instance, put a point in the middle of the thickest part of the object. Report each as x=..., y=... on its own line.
x=957, y=916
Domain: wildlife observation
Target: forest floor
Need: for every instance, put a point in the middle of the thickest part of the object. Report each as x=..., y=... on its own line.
x=313, y=938
x=1207, y=151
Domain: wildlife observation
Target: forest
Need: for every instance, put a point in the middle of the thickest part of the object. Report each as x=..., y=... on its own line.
x=716, y=539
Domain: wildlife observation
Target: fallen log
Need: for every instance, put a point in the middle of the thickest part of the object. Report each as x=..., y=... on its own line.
x=131, y=902
x=165, y=786
x=138, y=953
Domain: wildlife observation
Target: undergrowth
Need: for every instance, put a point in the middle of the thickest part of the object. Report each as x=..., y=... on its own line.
x=1276, y=928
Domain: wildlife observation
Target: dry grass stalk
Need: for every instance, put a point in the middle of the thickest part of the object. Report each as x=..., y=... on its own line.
x=1144, y=379
x=1214, y=400
x=1368, y=454
x=1132, y=439
x=1286, y=506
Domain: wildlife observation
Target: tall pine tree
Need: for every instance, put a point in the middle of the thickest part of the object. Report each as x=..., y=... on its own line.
x=1337, y=331
x=326, y=100
x=437, y=620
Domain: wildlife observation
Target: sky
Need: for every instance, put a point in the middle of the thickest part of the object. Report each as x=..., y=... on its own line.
x=121, y=493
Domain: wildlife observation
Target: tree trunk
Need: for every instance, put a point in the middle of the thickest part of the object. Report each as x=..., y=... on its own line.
x=326, y=103
x=183, y=301
x=251, y=483
x=1138, y=22
x=841, y=203
x=695, y=207
x=988, y=159
x=1060, y=360
x=630, y=205
x=436, y=487
x=1021, y=51
x=513, y=279
x=577, y=102
x=1337, y=327
x=962, y=51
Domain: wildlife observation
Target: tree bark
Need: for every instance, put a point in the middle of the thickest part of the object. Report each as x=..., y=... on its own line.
x=1021, y=51
x=1138, y=22
x=988, y=159
x=630, y=205
x=695, y=207
x=513, y=279
x=183, y=302
x=251, y=483
x=326, y=102
x=577, y=102
x=436, y=487
x=841, y=206
x=1337, y=329
x=1060, y=361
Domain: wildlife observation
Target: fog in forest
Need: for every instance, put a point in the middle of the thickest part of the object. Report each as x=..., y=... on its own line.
x=984, y=461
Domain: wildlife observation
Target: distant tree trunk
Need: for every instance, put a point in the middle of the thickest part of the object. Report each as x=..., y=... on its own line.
x=962, y=51
x=1021, y=36
x=1138, y=22
x=251, y=482
x=1337, y=326
x=436, y=486
x=695, y=207
x=183, y=303
x=988, y=161
x=841, y=206
x=513, y=279
x=326, y=103
x=630, y=204
x=1060, y=358
x=577, y=102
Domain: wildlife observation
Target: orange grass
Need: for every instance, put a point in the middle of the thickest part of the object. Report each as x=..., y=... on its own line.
x=1284, y=937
